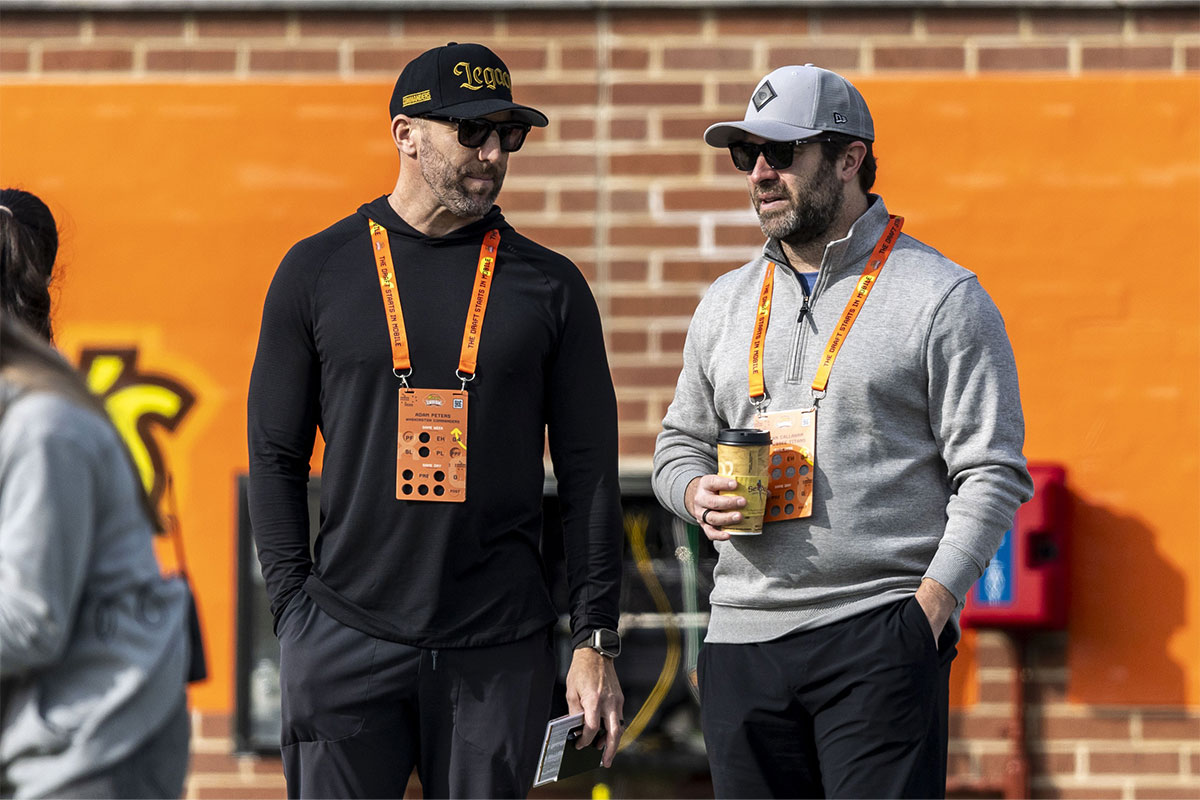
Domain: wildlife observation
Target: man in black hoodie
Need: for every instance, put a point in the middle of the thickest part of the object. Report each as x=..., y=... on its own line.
x=434, y=347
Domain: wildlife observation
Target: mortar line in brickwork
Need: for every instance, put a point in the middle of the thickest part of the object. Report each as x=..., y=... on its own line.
x=1128, y=27
x=603, y=218
x=137, y=53
x=708, y=26
x=970, y=58
x=345, y=51
x=34, y=67
x=920, y=32
x=1074, y=57
x=1081, y=765
x=291, y=28
x=1024, y=25
x=241, y=60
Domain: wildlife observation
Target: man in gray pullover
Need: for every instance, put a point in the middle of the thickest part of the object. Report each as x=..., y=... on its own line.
x=826, y=665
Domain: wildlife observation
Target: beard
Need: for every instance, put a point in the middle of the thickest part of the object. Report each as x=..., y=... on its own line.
x=812, y=210
x=449, y=185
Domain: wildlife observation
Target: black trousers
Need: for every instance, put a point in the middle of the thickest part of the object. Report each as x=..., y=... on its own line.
x=360, y=713
x=853, y=709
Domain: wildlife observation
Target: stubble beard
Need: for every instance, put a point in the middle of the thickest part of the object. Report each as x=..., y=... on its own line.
x=810, y=214
x=448, y=185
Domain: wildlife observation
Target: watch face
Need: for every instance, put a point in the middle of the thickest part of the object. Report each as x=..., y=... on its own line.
x=608, y=641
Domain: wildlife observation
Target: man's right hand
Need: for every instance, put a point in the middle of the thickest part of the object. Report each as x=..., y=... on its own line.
x=594, y=689
x=702, y=495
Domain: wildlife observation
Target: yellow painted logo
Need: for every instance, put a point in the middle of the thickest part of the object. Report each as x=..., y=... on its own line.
x=137, y=402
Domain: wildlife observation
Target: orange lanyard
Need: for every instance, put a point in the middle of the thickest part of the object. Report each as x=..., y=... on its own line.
x=469, y=355
x=866, y=282
x=758, y=388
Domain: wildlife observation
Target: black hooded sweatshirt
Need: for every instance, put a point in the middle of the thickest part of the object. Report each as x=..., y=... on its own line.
x=433, y=574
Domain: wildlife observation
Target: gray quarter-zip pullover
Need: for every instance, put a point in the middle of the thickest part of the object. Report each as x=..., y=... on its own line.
x=919, y=465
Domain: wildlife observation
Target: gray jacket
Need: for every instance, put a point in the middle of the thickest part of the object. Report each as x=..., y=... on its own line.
x=919, y=468
x=92, y=640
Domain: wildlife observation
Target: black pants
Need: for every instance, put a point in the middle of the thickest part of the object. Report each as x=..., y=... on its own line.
x=853, y=709
x=359, y=713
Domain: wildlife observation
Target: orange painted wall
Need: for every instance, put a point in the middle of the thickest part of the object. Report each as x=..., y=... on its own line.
x=1078, y=204
x=1076, y=200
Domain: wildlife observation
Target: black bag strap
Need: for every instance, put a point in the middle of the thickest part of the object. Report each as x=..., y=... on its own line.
x=197, y=662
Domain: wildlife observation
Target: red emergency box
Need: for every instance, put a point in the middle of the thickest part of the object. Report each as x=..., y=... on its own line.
x=1027, y=584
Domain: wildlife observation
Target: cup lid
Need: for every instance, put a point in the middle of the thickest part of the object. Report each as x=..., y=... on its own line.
x=745, y=437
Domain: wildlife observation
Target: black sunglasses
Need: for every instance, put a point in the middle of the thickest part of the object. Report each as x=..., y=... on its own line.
x=779, y=155
x=474, y=132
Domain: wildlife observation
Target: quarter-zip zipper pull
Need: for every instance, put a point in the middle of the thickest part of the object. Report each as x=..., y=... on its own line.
x=804, y=309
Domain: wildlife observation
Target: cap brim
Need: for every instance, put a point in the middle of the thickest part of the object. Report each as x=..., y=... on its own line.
x=723, y=133
x=481, y=108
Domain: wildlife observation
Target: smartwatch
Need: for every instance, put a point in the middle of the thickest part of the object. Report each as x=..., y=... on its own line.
x=604, y=641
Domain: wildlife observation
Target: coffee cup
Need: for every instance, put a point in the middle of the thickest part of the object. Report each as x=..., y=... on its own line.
x=744, y=454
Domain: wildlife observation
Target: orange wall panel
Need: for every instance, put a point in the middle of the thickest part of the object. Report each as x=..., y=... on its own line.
x=1078, y=204
x=1077, y=201
x=176, y=204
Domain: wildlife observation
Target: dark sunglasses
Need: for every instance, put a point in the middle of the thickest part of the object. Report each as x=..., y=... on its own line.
x=779, y=155
x=474, y=132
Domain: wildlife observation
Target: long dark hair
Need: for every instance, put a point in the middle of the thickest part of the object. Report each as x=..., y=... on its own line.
x=28, y=247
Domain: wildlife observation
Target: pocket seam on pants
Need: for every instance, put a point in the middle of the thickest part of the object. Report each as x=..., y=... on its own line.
x=303, y=734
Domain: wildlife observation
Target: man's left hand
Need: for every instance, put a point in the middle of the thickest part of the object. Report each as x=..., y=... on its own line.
x=593, y=688
x=937, y=603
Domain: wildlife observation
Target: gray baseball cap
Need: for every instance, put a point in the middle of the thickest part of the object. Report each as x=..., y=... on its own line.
x=798, y=102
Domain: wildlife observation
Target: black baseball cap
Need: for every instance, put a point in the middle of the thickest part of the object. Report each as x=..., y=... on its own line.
x=459, y=80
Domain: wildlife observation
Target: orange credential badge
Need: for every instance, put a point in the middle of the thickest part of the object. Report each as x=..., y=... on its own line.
x=793, y=459
x=431, y=446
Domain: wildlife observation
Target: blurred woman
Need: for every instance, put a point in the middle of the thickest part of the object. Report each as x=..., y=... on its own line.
x=93, y=644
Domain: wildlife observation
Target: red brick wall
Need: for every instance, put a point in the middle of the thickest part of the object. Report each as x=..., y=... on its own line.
x=216, y=773
x=1084, y=752
x=641, y=84
x=1075, y=750
x=651, y=225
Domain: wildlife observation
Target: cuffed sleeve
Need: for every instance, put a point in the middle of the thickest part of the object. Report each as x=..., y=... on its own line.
x=976, y=419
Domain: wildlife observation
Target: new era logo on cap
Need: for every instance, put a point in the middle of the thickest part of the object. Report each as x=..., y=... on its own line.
x=798, y=102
